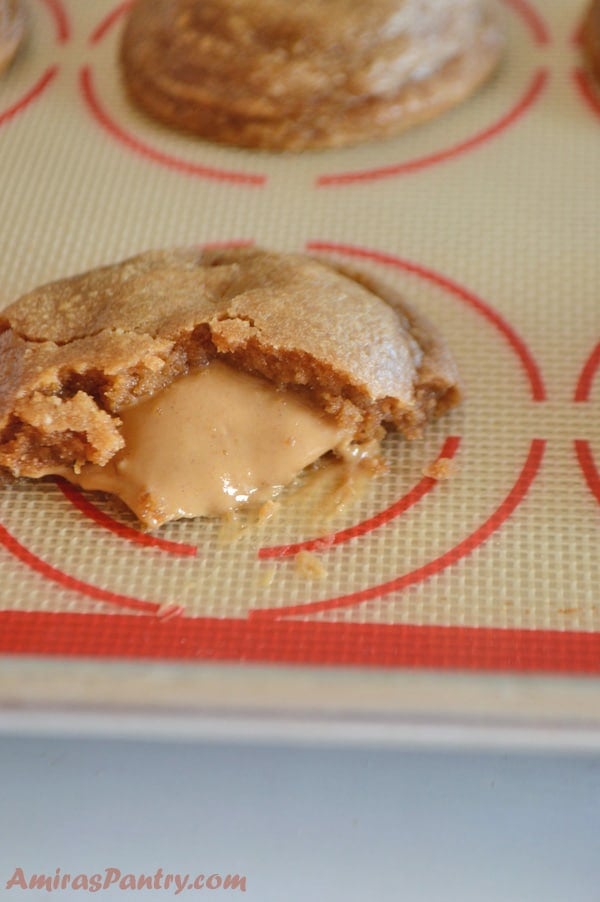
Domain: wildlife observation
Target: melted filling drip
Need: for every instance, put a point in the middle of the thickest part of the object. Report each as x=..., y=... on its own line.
x=212, y=441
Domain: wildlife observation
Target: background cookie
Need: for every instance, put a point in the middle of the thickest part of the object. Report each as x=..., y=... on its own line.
x=12, y=30
x=591, y=37
x=267, y=74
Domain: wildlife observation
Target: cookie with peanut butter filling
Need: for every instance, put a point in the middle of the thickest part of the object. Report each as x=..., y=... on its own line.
x=280, y=76
x=189, y=337
x=12, y=30
x=591, y=37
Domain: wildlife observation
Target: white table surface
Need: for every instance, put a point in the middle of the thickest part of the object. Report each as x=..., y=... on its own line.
x=324, y=822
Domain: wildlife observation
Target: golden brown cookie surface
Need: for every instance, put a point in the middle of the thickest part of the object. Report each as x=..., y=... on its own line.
x=75, y=352
x=275, y=75
x=12, y=30
x=591, y=37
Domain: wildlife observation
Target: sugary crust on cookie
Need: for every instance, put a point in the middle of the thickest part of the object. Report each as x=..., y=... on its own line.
x=12, y=30
x=281, y=76
x=75, y=352
x=591, y=37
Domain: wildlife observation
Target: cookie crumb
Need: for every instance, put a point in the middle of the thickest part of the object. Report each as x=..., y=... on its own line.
x=267, y=577
x=308, y=565
x=169, y=611
x=267, y=510
x=442, y=468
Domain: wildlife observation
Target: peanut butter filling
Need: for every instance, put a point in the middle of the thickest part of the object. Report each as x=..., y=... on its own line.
x=208, y=443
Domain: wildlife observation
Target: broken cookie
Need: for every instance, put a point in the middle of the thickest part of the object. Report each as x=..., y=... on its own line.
x=192, y=382
x=280, y=76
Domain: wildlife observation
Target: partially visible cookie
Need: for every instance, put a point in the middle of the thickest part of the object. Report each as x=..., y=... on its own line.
x=12, y=30
x=591, y=37
x=281, y=76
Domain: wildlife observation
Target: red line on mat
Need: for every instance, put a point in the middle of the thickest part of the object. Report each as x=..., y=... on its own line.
x=588, y=467
x=524, y=355
x=464, y=548
x=323, y=543
x=34, y=92
x=532, y=18
x=108, y=21
x=61, y=20
x=134, y=144
x=587, y=90
x=14, y=547
x=586, y=378
x=78, y=500
x=300, y=643
x=533, y=91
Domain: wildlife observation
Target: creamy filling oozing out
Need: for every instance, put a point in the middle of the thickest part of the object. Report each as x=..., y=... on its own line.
x=209, y=443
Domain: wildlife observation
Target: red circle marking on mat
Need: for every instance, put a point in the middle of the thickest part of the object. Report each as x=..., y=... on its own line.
x=89, y=510
x=463, y=549
x=36, y=91
x=109, y=20
x=324, y=543
x=531, y=94
x=587, y=90
x=524, y=355
x=135, y=144
x=367, y=645
x=586, y=378
x=532, y=19
x=588, y=467
x=14, y=547
x=61, y=20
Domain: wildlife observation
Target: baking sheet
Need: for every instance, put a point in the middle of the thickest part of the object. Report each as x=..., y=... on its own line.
x=487, y=220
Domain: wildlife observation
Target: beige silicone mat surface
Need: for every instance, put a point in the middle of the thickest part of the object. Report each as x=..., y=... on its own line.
x=487, y=219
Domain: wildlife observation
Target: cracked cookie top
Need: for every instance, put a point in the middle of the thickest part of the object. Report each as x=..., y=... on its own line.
x=75, y=352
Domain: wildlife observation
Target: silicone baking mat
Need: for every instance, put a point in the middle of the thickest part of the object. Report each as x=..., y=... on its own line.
x=487, y=219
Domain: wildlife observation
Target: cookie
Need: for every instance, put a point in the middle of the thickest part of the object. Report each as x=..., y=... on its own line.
x=332, y=350
x=12, y=30
x=591, y=37
x=279, y=76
